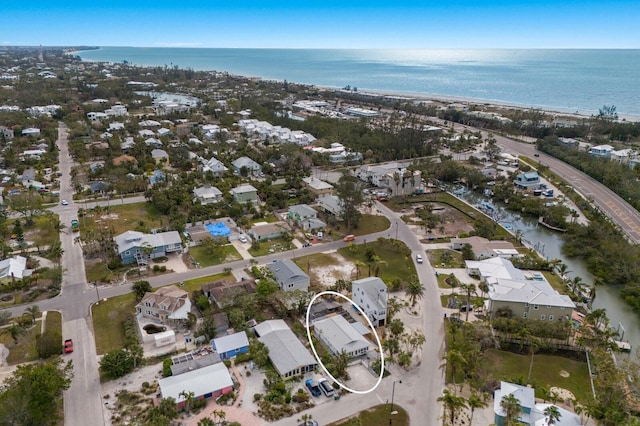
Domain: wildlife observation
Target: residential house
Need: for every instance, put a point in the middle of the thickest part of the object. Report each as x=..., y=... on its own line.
x=305, y=217
x=14, y=268
x=207, y=194
x=603, y=151
x=245, y=166
x=331, y=204
x=134, y=246
x=6, y=133
x=401, y=182
x=215, y=167
x=206, y=382
x=221, y=321
x=623, y=156
x=123, y=159
x=268, y=231
x=489, y=270
x=159, y=156
x=531, y=414
x=231, y=345
x=287, y=354
x=317, y=187
x=166, y=303
x=223, y=293
x=371, y=296
x=194, y=360
x=153, y=142
x=484, y=249
x=288, y=275
x=528, y=180
x=245, y=193
x=339, y=336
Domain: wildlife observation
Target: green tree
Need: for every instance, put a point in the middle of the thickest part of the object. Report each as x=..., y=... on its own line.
x=469, y=289
x=453, y=404
x=475, y=401
x=396, y=327
x=32, y=311
x=18, y=232
x=48, y=344
x=117, y=363
x=511, y=407
x=305, y=419
x=140, y=288
x=28, y=204
x=553, y=414
x=349, y=192
x=14, y=330
x=415, y=290
x=33, y=394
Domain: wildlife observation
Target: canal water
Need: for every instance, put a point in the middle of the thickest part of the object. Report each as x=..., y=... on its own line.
x=549, y=244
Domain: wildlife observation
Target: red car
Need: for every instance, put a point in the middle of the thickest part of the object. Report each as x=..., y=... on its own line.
x=68, y=346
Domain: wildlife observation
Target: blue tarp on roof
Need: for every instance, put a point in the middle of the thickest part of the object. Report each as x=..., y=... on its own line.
x=218, y=229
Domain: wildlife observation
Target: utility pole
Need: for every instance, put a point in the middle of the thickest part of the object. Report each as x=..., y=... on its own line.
x=393, y=392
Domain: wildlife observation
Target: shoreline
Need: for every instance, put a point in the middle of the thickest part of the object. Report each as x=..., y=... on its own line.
x=422, y=96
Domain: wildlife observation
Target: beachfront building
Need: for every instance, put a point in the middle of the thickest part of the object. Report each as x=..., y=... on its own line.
x=339, y=336
x=371, y=296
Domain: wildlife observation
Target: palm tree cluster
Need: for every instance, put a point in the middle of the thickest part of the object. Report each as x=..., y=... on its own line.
x=454, y=404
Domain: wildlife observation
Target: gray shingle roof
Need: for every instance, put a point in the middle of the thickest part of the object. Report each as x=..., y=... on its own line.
x=285, y=271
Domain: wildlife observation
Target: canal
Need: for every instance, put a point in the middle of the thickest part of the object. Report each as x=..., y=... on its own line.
x=549, y=244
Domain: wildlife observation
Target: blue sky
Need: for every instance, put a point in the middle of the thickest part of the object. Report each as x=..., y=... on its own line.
x=324, y=24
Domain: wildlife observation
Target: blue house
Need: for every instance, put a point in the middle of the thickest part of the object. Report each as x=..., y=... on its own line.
x=232, y=345
x=134, y=246
x=527, y=180
x=158, y=176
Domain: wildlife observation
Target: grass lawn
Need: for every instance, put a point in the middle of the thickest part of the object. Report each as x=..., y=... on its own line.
x=42, y=232
x=199, y=253
x=398, y=263
x=197, y=283
x=25, y=350
x=445, y=258
x=270, y=246
x=108, y=317
x=139, y=216
x=54, y=321
x=314, y=260
x=370, y=224
x=270, y=218
x=379, y=416
x=97, y=271
x=504, y=365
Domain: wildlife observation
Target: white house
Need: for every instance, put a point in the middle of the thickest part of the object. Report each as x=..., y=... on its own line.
x=215, y=166
x=340, y=336
x=603, y=151
x=371, y=296
x=207, y=194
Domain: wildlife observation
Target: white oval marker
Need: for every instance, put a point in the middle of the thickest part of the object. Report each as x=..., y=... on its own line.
x=323, y=293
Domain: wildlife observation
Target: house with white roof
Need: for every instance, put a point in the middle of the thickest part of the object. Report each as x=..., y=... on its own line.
x=531, y=414
x=134, y=246
x=331, y=204
x=527, y=180
x=287, y=354
x=159, y=155
x=31, y=131
x=288, y=275
x=484, y=249
x=603, y=151
x=489, y=270
x=305, y=217
x=215, y=166
x=207, y=194
x=247, y=166
x=231, y=345
x=623, y=156
x=14, y=268
x=317, y=186
x=207, y=382
x=245, y=193
x=371, y=296
x=339, y=336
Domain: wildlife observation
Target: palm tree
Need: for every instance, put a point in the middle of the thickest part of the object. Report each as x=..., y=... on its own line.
x=206, y=422
x=415, y=290
x=14, y=330
x=553, y=414
x=453, y=282
x=188, y=398
x=33, y=311
x=511, y=406
x=454, y=360
x=469, y=289
x=476, y=400
x=305, y=419
x=452, y=403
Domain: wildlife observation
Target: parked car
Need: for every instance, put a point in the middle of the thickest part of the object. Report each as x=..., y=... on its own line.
x=243, y=239
x=309, y=423
x=313, y=387
x=419, y=258
x=465, y=308
x=68, y=346
x=348, y=238
x=65, y=203
x=326, y=388
x=536, y=155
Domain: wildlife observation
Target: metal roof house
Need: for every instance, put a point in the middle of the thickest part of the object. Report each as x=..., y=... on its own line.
x=289, y=276
x=245, y=193
x=371, y=295
x=134, y=246
x=205, y=382
x=207, y=194
x=340, y=336
x=287, y=354
x=527, y=180
x=246, y=164
x=231, y=345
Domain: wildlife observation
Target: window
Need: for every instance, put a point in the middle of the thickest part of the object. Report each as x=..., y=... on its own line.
x=535, y=307
x=542, y=316
x=525, y=315
x=526, y=305
x=550, y=317
x=127, y=253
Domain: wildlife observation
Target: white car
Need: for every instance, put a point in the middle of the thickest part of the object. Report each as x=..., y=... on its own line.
x=243, y=239
x=65, y=203
x=419, y=258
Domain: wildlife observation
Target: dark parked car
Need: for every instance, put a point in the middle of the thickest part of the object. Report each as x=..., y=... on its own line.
x=326, y=388
x=313, y=387
x=465, y=308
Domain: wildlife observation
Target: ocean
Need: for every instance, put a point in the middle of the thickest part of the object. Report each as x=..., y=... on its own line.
x=567, y=80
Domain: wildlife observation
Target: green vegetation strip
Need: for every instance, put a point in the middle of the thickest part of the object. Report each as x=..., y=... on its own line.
x=200, y=254
x=378, y=416
x=393, y=259
x=545, y=373
x=108, y=317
